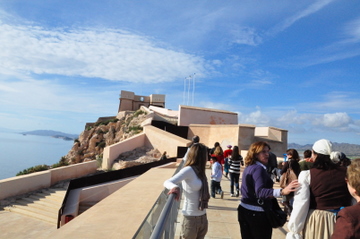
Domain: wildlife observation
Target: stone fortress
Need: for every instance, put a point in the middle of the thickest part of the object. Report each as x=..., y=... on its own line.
x=133, y=198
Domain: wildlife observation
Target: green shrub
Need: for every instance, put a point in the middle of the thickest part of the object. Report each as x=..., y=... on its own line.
x=139, y=112
x=105, y=122
x=136, y=128
x=80, y=152
x=101, y=144
x=34, y=169
x=62, y=162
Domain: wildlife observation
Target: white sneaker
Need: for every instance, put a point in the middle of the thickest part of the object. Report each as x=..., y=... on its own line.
x=222, y=195
x=232, y=195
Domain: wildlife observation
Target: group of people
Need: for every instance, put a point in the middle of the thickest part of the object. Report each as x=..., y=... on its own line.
x=229, y=162
x=317, y=196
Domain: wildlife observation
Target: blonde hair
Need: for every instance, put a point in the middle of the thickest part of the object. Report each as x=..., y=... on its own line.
x=218, y=150
x=353, y=175
x=253, y=152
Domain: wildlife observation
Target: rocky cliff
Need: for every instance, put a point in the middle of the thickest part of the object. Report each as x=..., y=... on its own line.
x=93, y=140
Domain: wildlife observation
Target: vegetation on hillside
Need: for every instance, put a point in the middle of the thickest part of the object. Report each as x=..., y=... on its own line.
x=92, y=141
x=43, y=167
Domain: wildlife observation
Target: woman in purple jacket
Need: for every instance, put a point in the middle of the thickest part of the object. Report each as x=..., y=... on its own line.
x=257, y=187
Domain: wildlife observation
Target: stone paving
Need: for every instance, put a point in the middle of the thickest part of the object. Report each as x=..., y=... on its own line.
x=222, y=215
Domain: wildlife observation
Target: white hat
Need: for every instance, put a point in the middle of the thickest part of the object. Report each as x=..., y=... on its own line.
x=335, y=156
x=322, y=146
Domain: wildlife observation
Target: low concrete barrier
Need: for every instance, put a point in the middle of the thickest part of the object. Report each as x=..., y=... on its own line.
x=23, y=184
x=73, y=171
x=113, y=151
x=31, y=182
x=152, y=137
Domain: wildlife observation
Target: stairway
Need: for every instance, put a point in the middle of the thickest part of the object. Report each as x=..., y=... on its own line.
x=43, y=205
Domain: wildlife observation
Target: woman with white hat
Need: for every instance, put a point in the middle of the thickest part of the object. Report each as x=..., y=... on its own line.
x=321, y=194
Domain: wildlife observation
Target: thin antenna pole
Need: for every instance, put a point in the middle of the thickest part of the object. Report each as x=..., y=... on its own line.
x=189, y=86
x=184, y=93
x=193, y=93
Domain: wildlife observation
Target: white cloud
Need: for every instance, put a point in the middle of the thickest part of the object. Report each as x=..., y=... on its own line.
x=313, y=8
x=337, y=120
x=96, y=53
x=256, y=118
x=246, y=35
x=345, y=48
x=352, y=31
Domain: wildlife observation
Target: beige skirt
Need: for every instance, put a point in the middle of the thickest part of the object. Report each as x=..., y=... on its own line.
x=319, y=224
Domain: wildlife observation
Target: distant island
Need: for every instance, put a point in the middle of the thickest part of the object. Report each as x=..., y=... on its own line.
x=51, y=133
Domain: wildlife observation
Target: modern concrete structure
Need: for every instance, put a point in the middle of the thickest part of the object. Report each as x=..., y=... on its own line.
x=120, y=213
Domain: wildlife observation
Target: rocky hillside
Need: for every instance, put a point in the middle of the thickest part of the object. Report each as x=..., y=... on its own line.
x=93, y=140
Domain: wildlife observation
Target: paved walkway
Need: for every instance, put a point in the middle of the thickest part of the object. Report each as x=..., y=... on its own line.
x=222, y=215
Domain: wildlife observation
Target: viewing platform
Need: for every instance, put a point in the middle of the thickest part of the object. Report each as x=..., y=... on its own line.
x=118, y=215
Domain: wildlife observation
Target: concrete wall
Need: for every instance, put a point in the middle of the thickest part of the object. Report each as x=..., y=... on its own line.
x=163, y=141
x=73, y=171
x=113, y=151
x=209, y=134
x=99, y=192
x=164, y=111
x=31, y=182
x=134, y=201
x=277, y=138
x=91, y=195
x=240, y=135
x=152, y=137
x=196, y=115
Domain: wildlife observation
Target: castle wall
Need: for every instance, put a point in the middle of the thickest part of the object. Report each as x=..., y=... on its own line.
x=130, y=101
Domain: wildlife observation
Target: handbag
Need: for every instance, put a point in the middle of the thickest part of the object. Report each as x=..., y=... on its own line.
x=275, y=215
x=287, y=177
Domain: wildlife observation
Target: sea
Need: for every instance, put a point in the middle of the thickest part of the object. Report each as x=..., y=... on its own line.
x=19, y=152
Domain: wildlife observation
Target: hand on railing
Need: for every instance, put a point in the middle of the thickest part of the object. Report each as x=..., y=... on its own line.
x=176, y=191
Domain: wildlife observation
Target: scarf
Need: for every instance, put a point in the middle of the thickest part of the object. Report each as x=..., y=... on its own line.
x=204, y=191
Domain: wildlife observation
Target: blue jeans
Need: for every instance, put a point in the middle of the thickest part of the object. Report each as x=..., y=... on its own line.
x=234, y=177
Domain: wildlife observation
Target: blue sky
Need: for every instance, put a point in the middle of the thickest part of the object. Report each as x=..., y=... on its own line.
x=288, y=64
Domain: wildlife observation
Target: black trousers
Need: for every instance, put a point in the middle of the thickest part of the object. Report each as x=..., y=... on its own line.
x=253, y=225
x=215, y=187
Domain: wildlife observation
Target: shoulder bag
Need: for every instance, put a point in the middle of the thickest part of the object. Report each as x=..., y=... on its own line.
x=275, y=215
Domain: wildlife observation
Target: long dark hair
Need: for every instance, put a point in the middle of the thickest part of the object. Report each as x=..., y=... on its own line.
x=235, y=156
x=294, y=161
x=323, y=162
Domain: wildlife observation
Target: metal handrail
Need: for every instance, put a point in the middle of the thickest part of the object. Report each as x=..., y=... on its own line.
x=163, y=219
x=163, y=223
